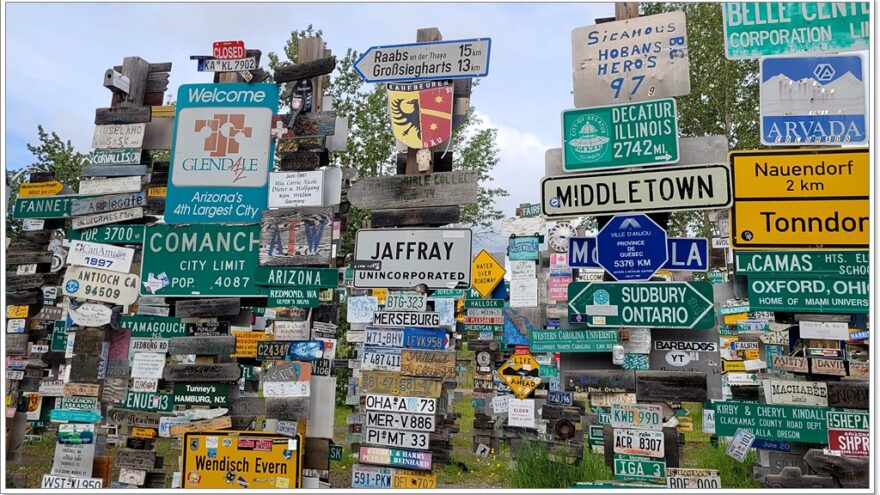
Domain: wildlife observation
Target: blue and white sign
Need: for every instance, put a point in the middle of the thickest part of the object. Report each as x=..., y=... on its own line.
x=424, y=338
x=434, y=60
x=813, y=100
x=632, y=247
x=687, y=255
x=582, y=252
x=221, y=153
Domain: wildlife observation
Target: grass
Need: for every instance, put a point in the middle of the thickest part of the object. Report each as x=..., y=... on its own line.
x=734, y=474
x=535, y=469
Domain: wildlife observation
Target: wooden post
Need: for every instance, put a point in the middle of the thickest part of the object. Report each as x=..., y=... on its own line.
x=310, y=49
x=424, y=156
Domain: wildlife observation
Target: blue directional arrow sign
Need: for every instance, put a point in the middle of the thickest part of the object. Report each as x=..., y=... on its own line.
x=632, y=247
x=813, y=100
x=582, y=252
x=687, y=255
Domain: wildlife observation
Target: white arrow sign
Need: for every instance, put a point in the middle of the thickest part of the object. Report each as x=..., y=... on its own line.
x=425, y=61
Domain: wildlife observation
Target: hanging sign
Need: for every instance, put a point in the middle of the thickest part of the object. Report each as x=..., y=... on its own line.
x=221, y=153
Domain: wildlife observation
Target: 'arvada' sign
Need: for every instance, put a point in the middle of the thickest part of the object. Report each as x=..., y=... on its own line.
x=221, y=152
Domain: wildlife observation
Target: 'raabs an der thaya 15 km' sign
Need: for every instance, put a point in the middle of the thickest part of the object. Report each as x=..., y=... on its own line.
x=425, y=61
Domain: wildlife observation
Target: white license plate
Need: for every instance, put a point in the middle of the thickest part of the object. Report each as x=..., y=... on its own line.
x=638, y=442
x=398, y=421
x=393, y=403
x=402, y=301
x=370, y=477
x=379, y=358
x=397, y=438
x=218, y=65
x=384, y=337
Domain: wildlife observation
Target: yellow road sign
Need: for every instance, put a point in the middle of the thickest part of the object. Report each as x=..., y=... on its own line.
x=157, y=191
x=407, y=478
x=486, y=272
x=37, y=189
x=241, y=459
x=381, y=295
x=732, y=366
x=800, y=198
x=16, y=311
x=520, y=373
x=138, y=432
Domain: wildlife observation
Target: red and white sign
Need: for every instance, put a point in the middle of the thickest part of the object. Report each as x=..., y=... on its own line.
x=850, y=442
x=228, y=50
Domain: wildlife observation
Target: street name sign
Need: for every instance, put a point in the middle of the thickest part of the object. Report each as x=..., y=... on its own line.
x=438, y=258
x=752, y=29
x=703, y=187
x=800, y=198
x=452, y=59
x=637, y=59
x=646, y=304
x=615, y=136
x=48, y=207
x=632, y=247
x=813, y=100
x=200, y=260
x=221, y=153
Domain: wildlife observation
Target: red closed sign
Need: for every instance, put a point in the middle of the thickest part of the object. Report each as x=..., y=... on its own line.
x=228, y=50
x=850, y=442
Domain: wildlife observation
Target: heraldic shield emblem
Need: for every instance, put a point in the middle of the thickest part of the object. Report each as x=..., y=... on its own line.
x=421, y=112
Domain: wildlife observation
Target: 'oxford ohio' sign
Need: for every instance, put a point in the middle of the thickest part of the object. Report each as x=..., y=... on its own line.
x=220, y=153
x=438, y=258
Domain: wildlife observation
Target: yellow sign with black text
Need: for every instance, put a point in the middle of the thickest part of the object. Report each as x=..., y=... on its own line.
x=407, y=478
x=813, y=198
x=241, y=459
x=486, y=272
x=520, y=373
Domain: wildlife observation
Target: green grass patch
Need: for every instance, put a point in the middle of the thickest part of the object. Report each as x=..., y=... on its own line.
x=734, y=474
x=535, y=469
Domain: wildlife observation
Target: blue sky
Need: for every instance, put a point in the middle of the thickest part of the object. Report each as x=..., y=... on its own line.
x=56, y=55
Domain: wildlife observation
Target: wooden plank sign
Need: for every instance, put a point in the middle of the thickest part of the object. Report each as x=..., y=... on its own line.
x=599, y=381
x=113, y=170
x=408, y=191
x=296, y=236
x=200, y=308
x=108, y=186
x=674, y=385
x=220, y=423
x=228, y=372
x=117, y=156
x=102, y=204
x=118, y=136
x=202, y=345
x=117, y=216
x=427, y=363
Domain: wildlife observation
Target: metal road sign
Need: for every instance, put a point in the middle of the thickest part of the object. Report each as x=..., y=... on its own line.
x=631, y=60
x=520, y=373
x=685, y=254
x=486, y=272
x=572, y=340
x=260, y=457
x=425, y=61
x=808, y=293
x=772, y=263
x=615, y=136
x=632, y=247
x=221, y=153
x=642, y=304
x=777, y=28
x=703, y=187
x=800, y=198
x=813, y=100
x=772, y=421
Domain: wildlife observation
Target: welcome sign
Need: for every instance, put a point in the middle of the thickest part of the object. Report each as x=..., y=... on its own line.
x=221, y=153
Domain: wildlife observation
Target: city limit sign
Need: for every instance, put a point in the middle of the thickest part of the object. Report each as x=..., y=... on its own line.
x=632, y=60
x=615, y=136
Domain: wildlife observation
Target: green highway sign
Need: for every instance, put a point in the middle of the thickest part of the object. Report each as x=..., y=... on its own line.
x=805, y=424
x=149, y=401
x=110, y=234
x=483, y=303
x=638, y=468
x=59, y=337
x=773, y=263
x=809, y=293
x=153, y=327
x=274, y=276
x=46, y=207
x=300, y=297
x=200, y=260
x=642, y=304
x=756, y=29
x=848, y=420
x=456, y=293
x=571, y=340
x=614, y=136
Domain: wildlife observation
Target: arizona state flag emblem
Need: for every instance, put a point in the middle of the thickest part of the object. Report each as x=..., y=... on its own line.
x=421, y=113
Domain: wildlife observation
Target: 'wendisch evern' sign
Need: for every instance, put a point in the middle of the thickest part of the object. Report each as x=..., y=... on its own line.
x=221, y=153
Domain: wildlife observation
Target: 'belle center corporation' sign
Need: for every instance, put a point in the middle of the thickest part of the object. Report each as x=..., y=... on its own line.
x=221, y=153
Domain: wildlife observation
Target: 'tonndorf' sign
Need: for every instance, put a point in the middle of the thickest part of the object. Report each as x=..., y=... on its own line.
x=438, y=258
x=615, y=136
x=221, y=153
x=631, y=60
x=800, y=198
x=200, y=260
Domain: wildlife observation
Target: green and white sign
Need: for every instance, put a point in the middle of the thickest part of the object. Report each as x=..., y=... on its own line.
x=149, y=401
x=47, y=207
x=638, y=468
x=615, y=136
x=772, y=421
x=154, y=327
x=483, y=303
x=59, y=337
x=200, y=260
x=110, y=234
x=273, y=276
x=809, y=293
x=571, y=340
x=848, y=420
x=642, y=304
x=300, y=297
x=803, y=263
x=756, y=29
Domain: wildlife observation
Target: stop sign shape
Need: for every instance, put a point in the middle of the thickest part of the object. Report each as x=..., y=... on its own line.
x=632, y=247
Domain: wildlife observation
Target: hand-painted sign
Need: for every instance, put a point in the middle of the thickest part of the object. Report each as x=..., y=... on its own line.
x=221, y=153
x=425, y=61
x=404, y=191
x=796, y=393
x=666, y=305
x=256, y=460
x=802, y=198
x=421, y=113
x=119, y=136
x=206, y=260
x=794, y=423
x=813, y=100
x=571, y=340
x=632, y=247
x=107, y=185
x=777, y=28
x=438, y=258
x=296, y=236
x=117, y=156
x=615, y=136
x=631, y=60
x=701, y=187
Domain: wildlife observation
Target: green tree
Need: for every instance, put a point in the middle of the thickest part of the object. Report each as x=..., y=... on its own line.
x=723, y=98
x=52, y=154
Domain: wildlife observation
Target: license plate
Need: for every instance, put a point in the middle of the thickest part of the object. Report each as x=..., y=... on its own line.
x=370, y=477
x=383, y=337
x=399, y=421
x=393, y=403
x=405, y=478
x=637, y=442
x=404, y=301
x=397, y=438
x=380, y=358
x=219, y=65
